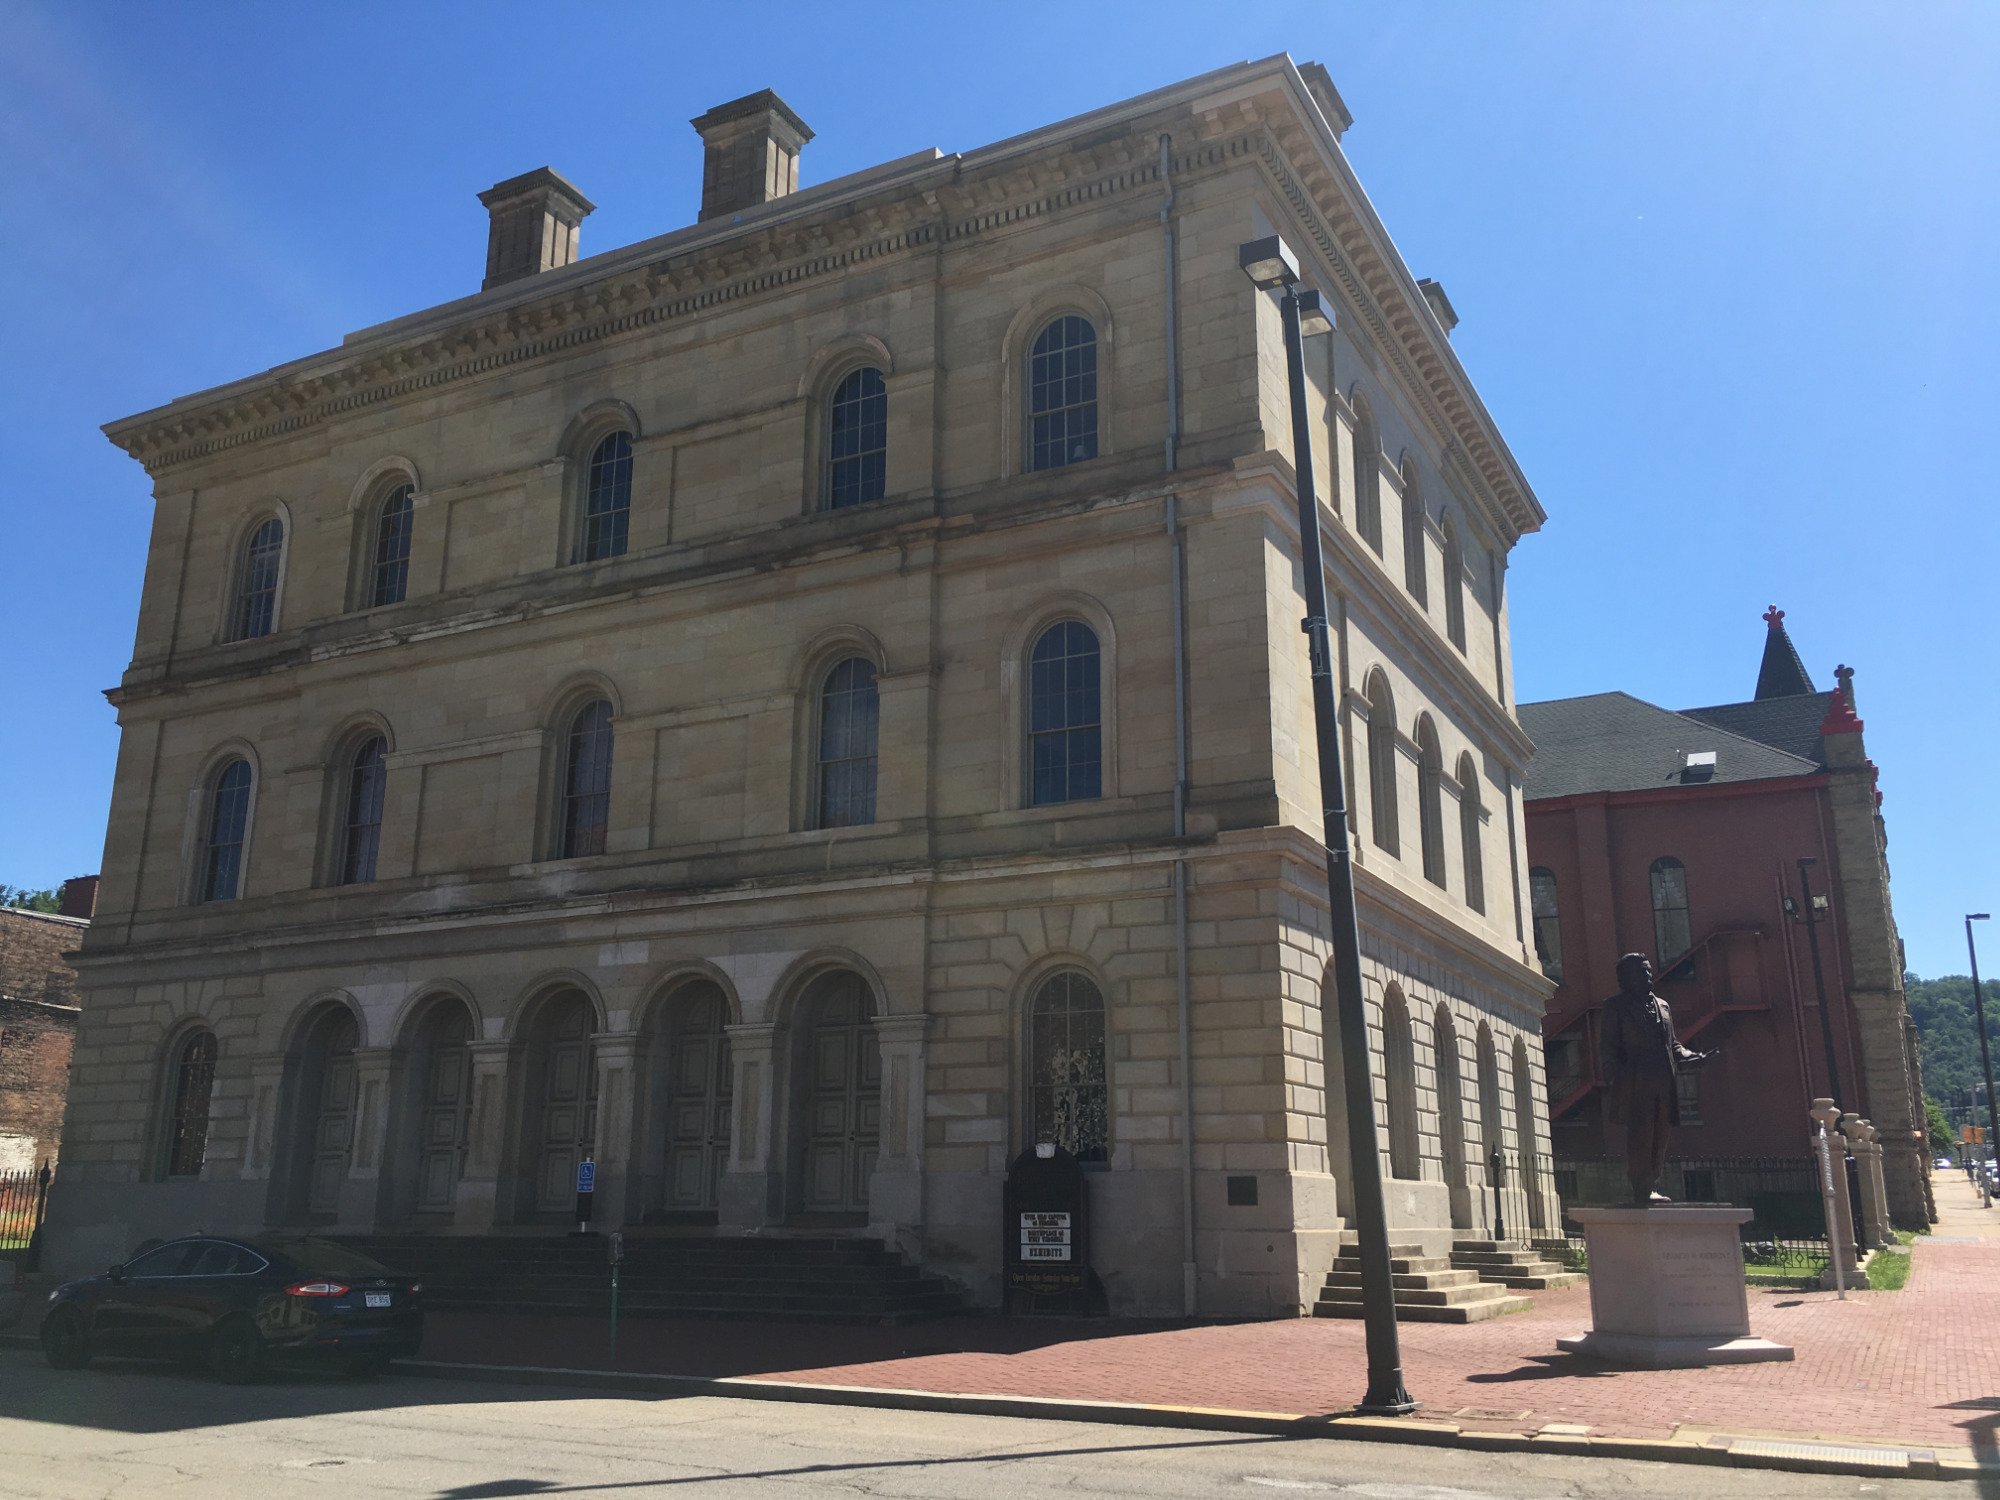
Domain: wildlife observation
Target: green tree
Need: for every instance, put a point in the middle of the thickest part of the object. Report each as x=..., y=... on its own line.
x=1949, y=1032
x=1944, y=1142
x=21, y=897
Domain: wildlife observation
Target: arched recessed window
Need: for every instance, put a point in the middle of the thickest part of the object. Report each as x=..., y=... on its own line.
x=1672, y=935
x=1399, y=1045
x=1548, y=922
x=361, y=823
x=849, y=722
x=223, y=832
x=586, y=782
x=1430, y=800
x=390, y=579
x=256, y=610
x=1069, y=1103
x=607, y=499
x=1454, y=586
x=1367, y=475
x=1062, y=394
x=857, y=440
x=1416, y=575
x=1382, y=764
x=1065, y=717
x=192, y=1080
x=1470, y=833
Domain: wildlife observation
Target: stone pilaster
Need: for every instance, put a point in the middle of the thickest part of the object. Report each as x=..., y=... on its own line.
x=896, y=1192
x=480, y=1200
x=616, y=1200
x=360, y=1193
x=751, y=1181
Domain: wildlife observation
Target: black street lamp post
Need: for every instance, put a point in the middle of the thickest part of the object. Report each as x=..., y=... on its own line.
x=1270, y=264
x=1985, y=1057
x=1810, y=915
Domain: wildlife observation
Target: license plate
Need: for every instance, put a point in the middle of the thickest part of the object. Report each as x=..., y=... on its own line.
x=378, y=1299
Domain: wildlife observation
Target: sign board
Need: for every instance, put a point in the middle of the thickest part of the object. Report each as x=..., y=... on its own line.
x=1045, y=1229
x=586, y=1176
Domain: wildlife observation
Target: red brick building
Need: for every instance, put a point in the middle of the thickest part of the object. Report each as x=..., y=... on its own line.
x=38, y=1023
x=1678, y=835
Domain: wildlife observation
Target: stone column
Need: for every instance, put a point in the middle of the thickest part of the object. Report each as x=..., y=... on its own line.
x=615, y=1201
x=481, y=1202
x=1833, y=1185
x=1875, y=1178
x=896, y=1191
x=360, y=1194
x=1855, y=1130
x=752, y=1190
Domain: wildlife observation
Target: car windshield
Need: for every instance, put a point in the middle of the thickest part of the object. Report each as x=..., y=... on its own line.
x=322, y=1257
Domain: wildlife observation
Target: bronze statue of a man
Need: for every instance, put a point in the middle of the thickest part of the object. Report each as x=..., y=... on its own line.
x=1638, y=1058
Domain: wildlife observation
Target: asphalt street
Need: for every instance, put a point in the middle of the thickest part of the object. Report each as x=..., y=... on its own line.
x=128, y=1430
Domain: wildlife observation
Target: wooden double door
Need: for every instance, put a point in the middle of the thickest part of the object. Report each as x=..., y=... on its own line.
x=696, y=1102
x=444, y=1064
x=841, y=1063
x=563, y=1107
x=332, y=1084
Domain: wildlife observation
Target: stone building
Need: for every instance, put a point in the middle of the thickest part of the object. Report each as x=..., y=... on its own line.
x=803, y=707
x=1678, y=835
x=38, y=1023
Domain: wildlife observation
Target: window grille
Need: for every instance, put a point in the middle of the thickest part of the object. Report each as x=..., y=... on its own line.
x=857, y=440
x=257, y=588
x=849, y=721
x=586, y=803
x=607, y=508
x=1548, y=922
x=1065, y=720
x=1062, y=394
x=1672, y=935
x=194, y=1079
x=1070, y=1103
x=392, y=548
x=228, y=819
x=367, y=781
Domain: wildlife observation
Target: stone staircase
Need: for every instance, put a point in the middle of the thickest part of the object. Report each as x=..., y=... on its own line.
x=1504, y=1263
x=1428, y=1289
x=767, y=1278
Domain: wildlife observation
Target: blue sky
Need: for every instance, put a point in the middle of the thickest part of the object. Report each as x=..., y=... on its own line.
x=1726, y=274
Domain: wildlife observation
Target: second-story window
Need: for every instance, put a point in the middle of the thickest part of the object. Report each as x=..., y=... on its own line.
x=1367, y=475
x=1416, y=569
x=586, y=782
x=857, y=439
x=1469, y=834
x=193, y=1081
x=228, y=822
x=1430, y=800
x=607, y=499
x=1672, y=935
x=1382, y=822
x=1454, y=587
x=1065, y=717
x=256, y=610
x=849, y=721
x=1062, y=394
x=390, y=578
x=361, y=824
x=1548, y=922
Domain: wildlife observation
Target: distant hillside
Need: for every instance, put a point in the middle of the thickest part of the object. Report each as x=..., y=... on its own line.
x=1942, y=1009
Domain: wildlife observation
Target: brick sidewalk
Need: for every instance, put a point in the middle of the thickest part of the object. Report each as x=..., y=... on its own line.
x=1900, y=1366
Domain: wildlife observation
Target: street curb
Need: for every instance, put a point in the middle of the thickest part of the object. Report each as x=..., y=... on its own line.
x=1869, y=1460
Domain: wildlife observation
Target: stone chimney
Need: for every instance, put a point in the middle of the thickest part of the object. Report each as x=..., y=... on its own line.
x=78, y=897
x=752, y=153
x=533, y=225
x=1433, y=292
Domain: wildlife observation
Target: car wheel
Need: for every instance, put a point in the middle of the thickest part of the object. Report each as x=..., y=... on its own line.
x=66, y=1339
x=364, y=1366
x=236, y=1351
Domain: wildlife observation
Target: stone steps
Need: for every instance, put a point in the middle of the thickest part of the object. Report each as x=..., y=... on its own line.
x=1499, y=1263
x=1428, y=1289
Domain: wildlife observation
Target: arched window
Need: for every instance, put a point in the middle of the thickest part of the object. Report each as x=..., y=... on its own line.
x=192, y=1080
x=1450, y=1099
x=1548, y=922
x=1399, y=1046
x=390, y=579
x=607, y=499
x=1470, y=833
x=586, y=782
x=1416, y=576
x=1492, y=1115
x=1430, y=800
x=1065, y=717
x=1062, y=394
x=256, y=610
x=361, y=822
x=1069, y=1103
x=1454, y=586
x=1382, y=764
x=849, y=721
x=1528, y=1140
x=223, y=833
x=857, y=440
x=1367, y=475
x=1671, y=934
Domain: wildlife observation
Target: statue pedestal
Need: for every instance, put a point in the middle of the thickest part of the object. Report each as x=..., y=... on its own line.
x=1667, y=1289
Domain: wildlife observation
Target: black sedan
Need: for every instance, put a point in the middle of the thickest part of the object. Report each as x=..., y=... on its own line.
x=239, y=1304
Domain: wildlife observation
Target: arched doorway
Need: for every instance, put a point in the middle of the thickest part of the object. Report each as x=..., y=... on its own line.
x=1524, y=1129
x=837, y=1093
x=1333, y=1067
x=1451, y=1116
x=1491, y=1115
x=440, y=1084
x=1399, y=1063
x=689, y=1080
x=559, y=1094
x=322, y=1132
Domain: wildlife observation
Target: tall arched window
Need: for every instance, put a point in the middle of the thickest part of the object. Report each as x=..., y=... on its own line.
x=857, y=440
x=1382, y=764
x=1065, y=716
x=361, y=823
x=1062, y=394
x=1399, y=1046
x=1672, y=935
x=223, y=832
x=1430, y=799
x=1548, y=921
x=1470, y=833
x=586, y=782
x=1454, y=586
x=1367, y=475
x=1527, y=1133
x=607, y=499
x=1416, y=573
x=192, y=1080
x=256, y=611
x=1069, y=1103
x=849, y=722
x=390, y=579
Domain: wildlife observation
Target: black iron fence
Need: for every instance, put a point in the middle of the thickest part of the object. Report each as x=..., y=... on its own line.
x=1781, y=1192
x=24, y=1201
x=1512, y=1197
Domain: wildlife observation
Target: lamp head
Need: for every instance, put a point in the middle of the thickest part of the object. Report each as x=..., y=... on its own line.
x=1269, y=262
x=1315, y=317
x=1979, y=916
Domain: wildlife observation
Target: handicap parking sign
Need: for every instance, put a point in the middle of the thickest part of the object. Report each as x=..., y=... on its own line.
x=586, y=1176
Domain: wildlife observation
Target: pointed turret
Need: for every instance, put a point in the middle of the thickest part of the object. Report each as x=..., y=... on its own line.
x=1782, y=675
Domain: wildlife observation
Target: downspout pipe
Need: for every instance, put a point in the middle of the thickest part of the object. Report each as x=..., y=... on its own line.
x=1177, y=545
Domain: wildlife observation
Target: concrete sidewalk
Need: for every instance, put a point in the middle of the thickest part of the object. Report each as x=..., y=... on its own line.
x=1916, y=1370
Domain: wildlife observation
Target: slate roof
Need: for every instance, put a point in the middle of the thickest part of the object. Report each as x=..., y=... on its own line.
x=1781, y=674
x=1613, y=742
x=1787, y=724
